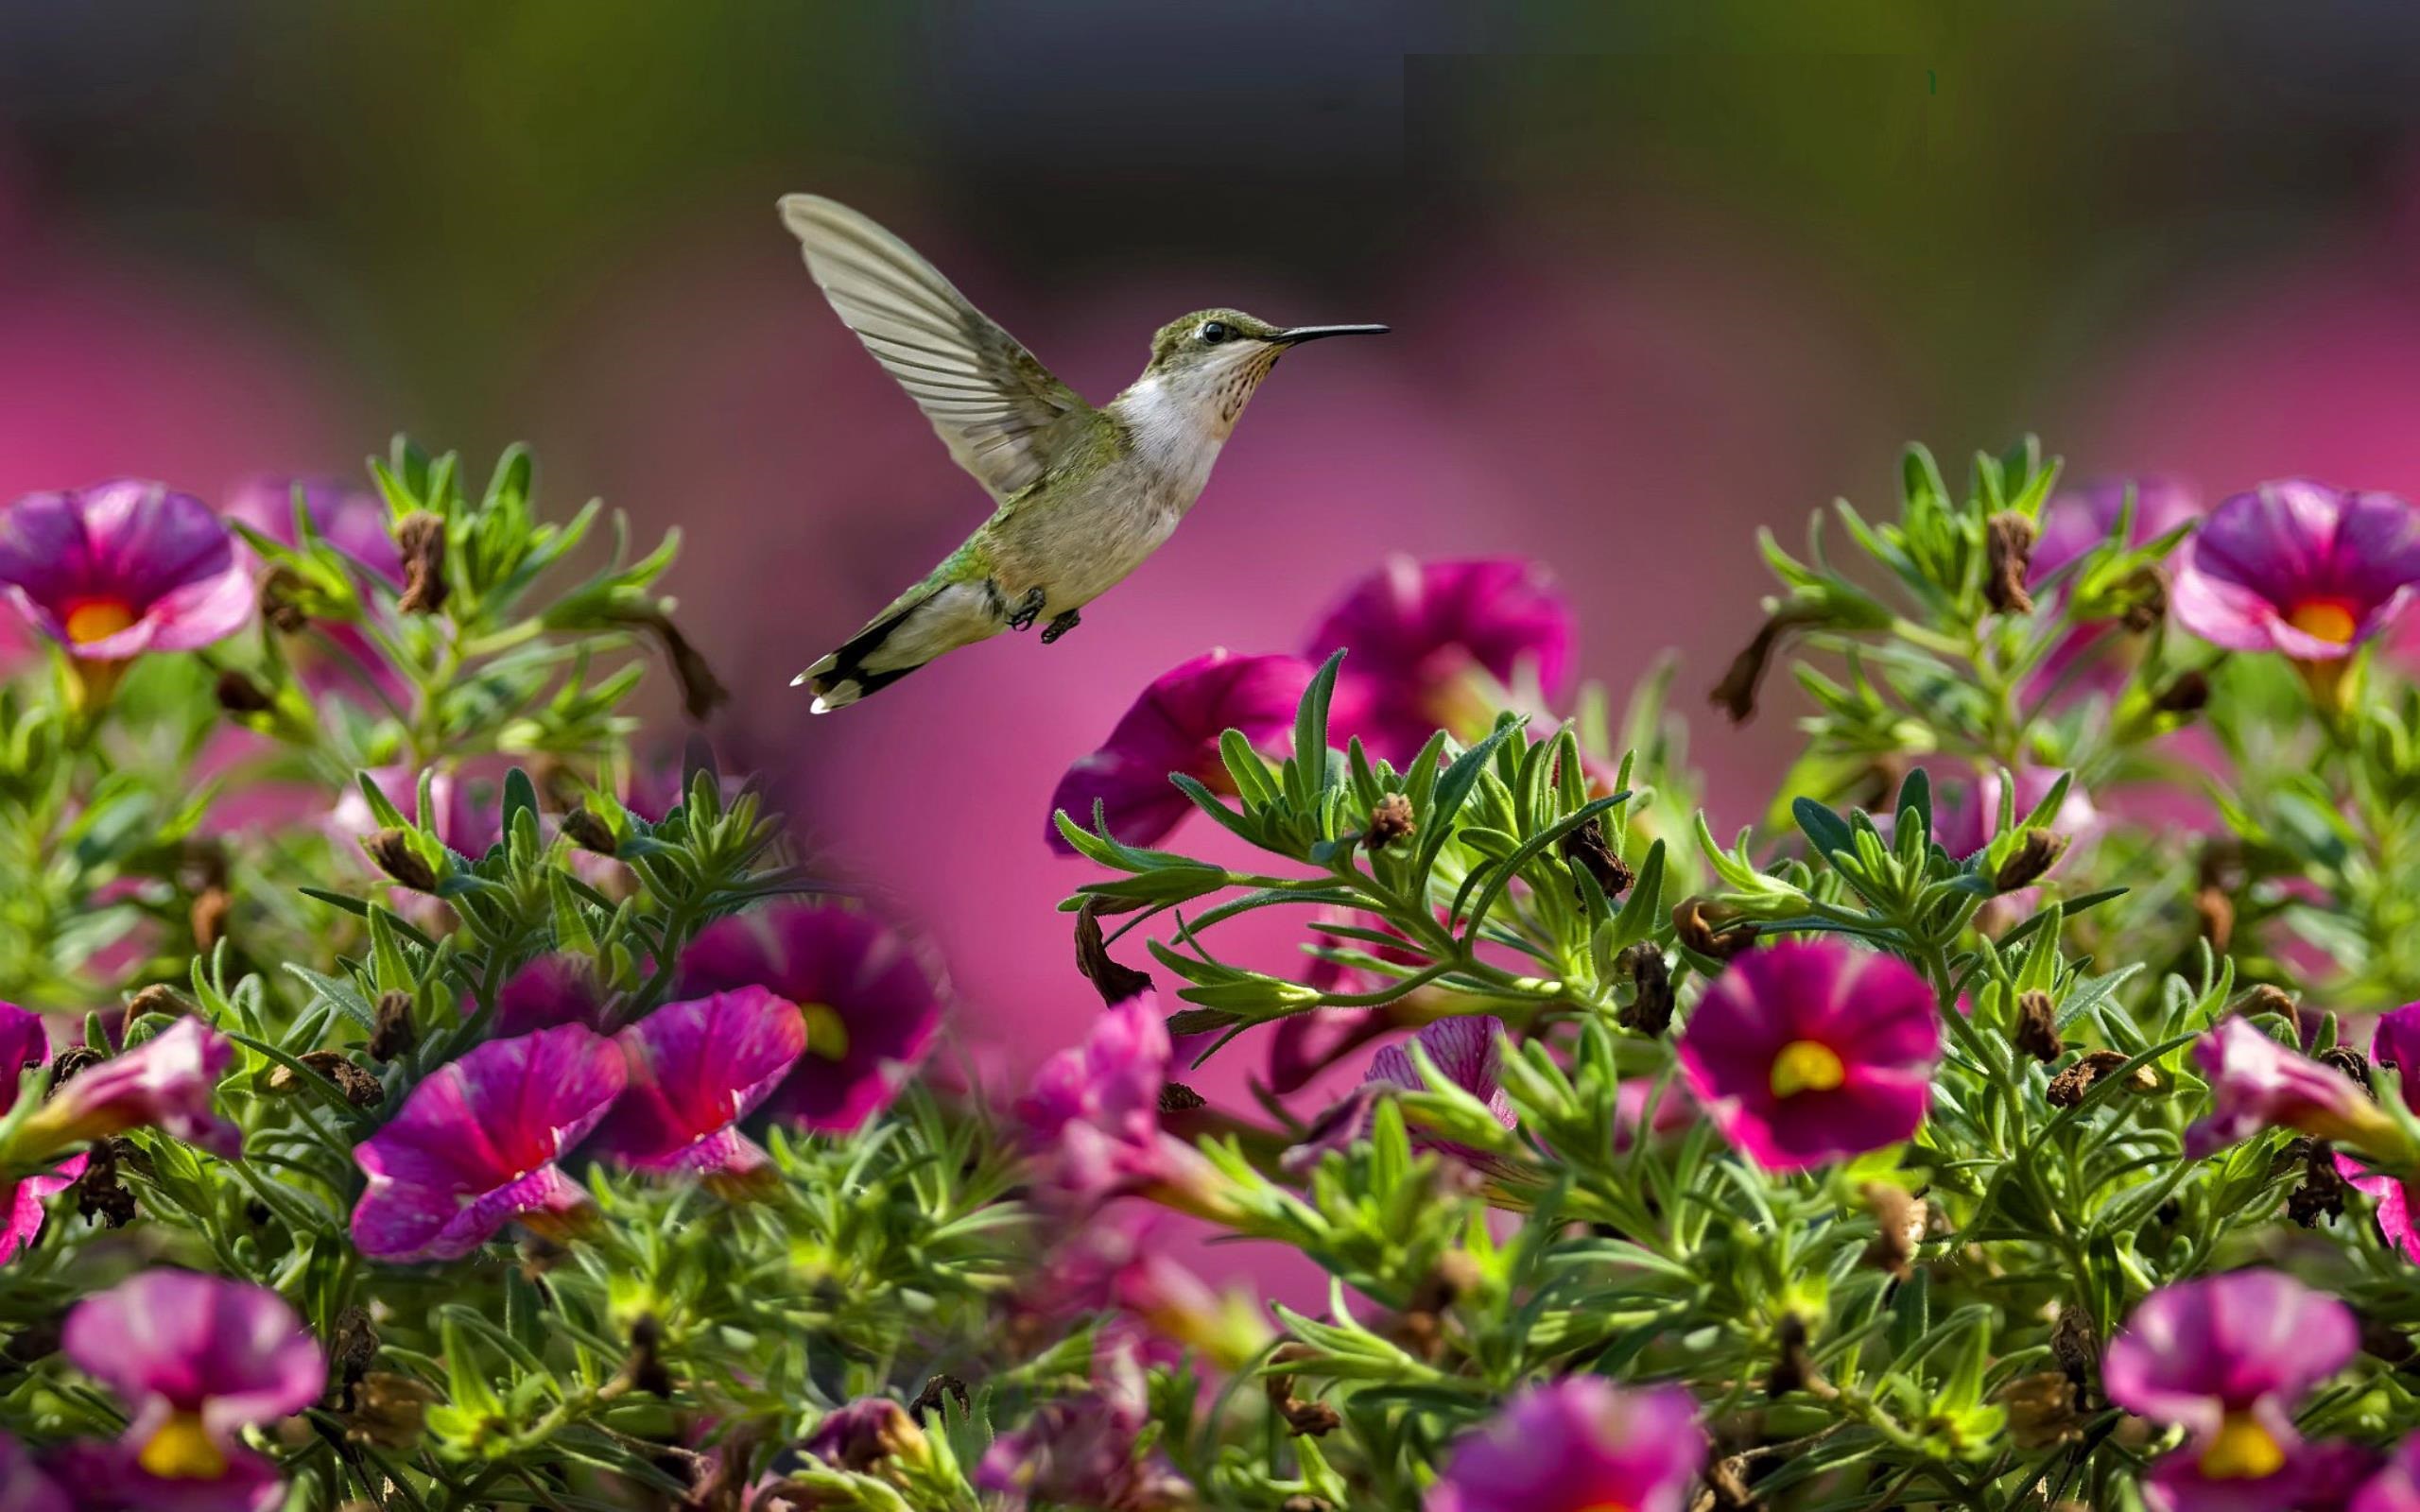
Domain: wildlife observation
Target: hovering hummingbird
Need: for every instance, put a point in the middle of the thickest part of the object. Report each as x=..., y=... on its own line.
x=1082, y=495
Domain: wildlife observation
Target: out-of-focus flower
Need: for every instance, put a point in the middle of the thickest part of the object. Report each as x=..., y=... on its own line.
x=2227, y=1358
x=2396, y=1486
x=2256, y=1083
x=469, y=817
x=1965, y=814
x=859, y=1435
x=1174, y=727
x=1092, y=1116
x=23, y=1486
x=2295, y=567
x=696, y=1069
x=2397, y=1044
x=122, y=568
x=359, y=525
x=1577, y=1445
x=2092, y=657
x=1082, y=1451
x=1672, y=1109
x=165, y=1082
x=196, y=1360
x=1805, y=1050
x=1464, y=1050
x=549, y=991
x=475, y=1144
x=871, y=1005
x=1119, y=1262
x=25, y=1044
x=1413, y=630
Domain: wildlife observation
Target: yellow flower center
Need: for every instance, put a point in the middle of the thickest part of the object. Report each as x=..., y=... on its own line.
x=182, y=1450
x=97, y=620
x=2241, y=1450
x=1805, y=1066
x=826, y=1034
x=2325, y=619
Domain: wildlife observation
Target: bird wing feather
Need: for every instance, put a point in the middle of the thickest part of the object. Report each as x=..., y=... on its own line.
x=996, y=406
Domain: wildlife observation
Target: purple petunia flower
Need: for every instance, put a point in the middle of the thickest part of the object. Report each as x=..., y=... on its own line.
x=1083, y=1451
x=1464, y=1049
x=25, y=1044
x=1805, y=1050
x=1174, y=727
x=2396, y=1043
x=2076, y=520
x=122, y=568
x=871, y=1005
x=696, y=1069
x=360, y=526
x=549, y=992
x=1967, y=815
x=23, y=1486
x=469, y=818
x=196, y=1360
x=2299, y=568
x=165, y=1082
x=1577, y=1445
x=1092, y=1116
x=2227, y=1358
x=2256, y=1083
x=1412, y=631
x=2396, y=1486
x=858, y=1434
x=475, y=1144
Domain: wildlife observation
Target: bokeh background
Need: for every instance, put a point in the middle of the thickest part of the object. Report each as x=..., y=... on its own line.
x=1658, y=275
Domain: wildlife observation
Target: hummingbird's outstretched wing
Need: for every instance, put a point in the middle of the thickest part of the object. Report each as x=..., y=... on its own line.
x=997, y=408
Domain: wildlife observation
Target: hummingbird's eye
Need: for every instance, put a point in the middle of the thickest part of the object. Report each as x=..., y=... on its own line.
x=1214, y=330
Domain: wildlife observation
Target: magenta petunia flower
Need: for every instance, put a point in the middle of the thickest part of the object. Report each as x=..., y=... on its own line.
x=122, y=568
x=2395, y=1043
x=475, y=1144
x=548, y=992
x=2397, y=1485
x=1965, y=814
x=1093, y=1117
x=1174, y=727
x=1580, y=1444
x=196, y=1360
x=1084, y=1450
x=355, y=522
x=469, y=818
x=1464, y=1049
x=23, y=1486
x=2295, y=567
x=2076, y=520
x=164, y=1083
x=858, y=1433
x=696, y=1069
x=1805, y=1050
x=23, y=1044
x=871, y=1005
x=2256, y=1083
x=1413, y=630
x=2228, y=1358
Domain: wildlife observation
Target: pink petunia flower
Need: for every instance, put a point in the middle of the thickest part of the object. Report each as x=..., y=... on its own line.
x=196, y=1360
x=164, y=1083
x=2396, y=1486
x=2299, y=568
x=23, y=1044
x=2228, y=1358
x=2256, y=1083
x=2075, y=521
x=870, y=1003
x=1807, y=1050
x=475, y=1144
x=696, y=1069
x=1093, y=1117
x=1174, y=727
x=1580, y=1444
x=549, y=991
x=1412, y=632
x=1465, y=1050
x=2396, y=1043
x=122, y=568
x=360, y=526
x=1966, y=813
x=858, y=1434
x=1085, y=1451
x=469, y=818
x=23, y=1486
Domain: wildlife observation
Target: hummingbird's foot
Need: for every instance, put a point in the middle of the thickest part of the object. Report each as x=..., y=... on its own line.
x=1060, y=626
x=1028, y=608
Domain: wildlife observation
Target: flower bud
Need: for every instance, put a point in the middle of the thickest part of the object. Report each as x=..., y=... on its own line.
x=1389, y=820
x=1649, y=1011
x=2189, y=694
x=1587, y=849
x=239, y=694
x=388, y=1412
x=359, y=1086
x=2007, y=554
x=2068, y=1087
x=586, y=831
x=2041, y=1411
x=1113, y=980
x=420, y=538
x=391, y=1031
x=280, y=603
x=395, y=854
x=2037, y=1027
x=1711, y=929
x=1900, y=1221
x=2036, y=852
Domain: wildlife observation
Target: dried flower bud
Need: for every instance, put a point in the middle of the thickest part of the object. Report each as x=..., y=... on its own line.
x=1587, y=847
x=208, y=919
x=645, y=1369
x=161, y=999
x=1176, y=1097
x=2189, y=694
x=391, y=1033
x=353, y=1349
x=2007, y=556
x=1735, y=695
x=2148, y=603
x=2354, y=1065
x=936, y=1390
x=99, y=1196
x=586, y=831
x=1711, y=929
x=2266, y=998
x=2036, y=853
x=279, y=586
x=1389, y=820
x=359, y=1086
x=2068, y=1087
x=1900, y=1220
x=1303, y=1503
x=2037, y=1027
x=1309, y=1420
x=1649, y=1011
x=1114, y=981
x=2382, y=1341
x=2076, y=1345
x=388, y=1411
x=393, y=852
x=2041, y=1411
x=1726, y=1483
x=67, y=1063
x=2323, y=1191
x=239, y=694
x=420, y=538
x=1794, y=1366
x=2216, y=911
x=701, y=692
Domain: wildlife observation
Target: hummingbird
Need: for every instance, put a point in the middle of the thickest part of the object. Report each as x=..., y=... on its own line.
x=1082, y=496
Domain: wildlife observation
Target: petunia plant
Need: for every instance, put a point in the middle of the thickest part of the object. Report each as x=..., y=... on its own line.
x=426, y=1084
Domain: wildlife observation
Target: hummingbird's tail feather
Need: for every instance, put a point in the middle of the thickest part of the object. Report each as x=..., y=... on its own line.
x=843, y=677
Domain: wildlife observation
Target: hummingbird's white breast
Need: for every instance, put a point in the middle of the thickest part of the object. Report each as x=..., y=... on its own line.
x=1176, y=433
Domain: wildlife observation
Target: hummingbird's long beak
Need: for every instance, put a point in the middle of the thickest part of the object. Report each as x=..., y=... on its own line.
x=1313, y=332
